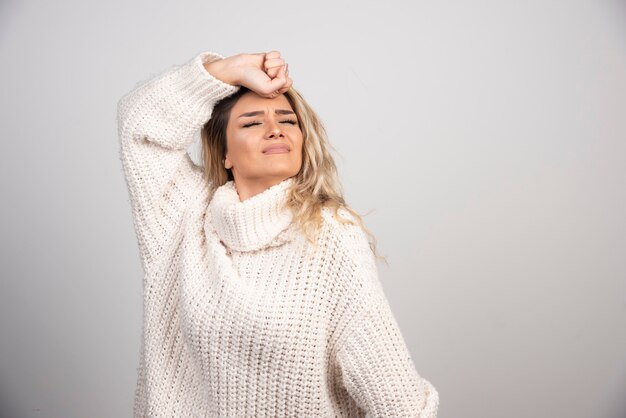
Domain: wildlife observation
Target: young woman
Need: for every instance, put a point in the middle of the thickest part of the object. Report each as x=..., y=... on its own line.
x=261, y=290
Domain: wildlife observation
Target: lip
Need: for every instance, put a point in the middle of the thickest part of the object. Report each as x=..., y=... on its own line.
x=276, y=149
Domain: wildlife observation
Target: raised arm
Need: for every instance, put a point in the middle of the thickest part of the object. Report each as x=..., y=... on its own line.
x=157, y=121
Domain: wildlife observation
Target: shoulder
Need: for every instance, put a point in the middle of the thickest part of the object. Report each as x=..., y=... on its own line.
x=347, y=232
x=348, y=244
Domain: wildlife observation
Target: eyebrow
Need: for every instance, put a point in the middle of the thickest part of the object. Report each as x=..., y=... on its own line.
x=261, y=112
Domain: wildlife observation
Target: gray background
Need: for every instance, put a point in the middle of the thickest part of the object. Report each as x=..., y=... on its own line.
x=485, y=139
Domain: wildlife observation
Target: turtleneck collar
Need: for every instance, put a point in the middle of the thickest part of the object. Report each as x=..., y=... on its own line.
x=258, y=222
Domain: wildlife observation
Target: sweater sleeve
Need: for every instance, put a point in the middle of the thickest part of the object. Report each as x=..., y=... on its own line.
x=377, y=369
x=157, y=121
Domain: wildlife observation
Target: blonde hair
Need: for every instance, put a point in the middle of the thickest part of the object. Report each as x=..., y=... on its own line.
x=317, y=183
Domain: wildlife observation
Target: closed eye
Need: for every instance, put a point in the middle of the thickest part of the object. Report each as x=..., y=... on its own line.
x=290, y=121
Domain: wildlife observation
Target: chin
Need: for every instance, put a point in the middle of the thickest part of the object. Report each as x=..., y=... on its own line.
x=282, y=174
x=281, y=169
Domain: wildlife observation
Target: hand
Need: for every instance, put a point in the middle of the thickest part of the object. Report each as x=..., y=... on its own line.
x=264, y=73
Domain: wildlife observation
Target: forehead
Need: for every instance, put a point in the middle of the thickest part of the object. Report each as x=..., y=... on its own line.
x=251, y=101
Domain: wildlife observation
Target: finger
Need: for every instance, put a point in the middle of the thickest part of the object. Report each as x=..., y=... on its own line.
x=272, y=87
x=273, y=63
x=287, y=86
x=273, y=72
x=277, y=72
x=272, y=94
x=278, y=82
x=272, y=54
x=284, y=75
x=273, y=68
x=288, y=82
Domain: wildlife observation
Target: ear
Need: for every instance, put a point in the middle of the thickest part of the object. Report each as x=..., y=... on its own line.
x=227, y=163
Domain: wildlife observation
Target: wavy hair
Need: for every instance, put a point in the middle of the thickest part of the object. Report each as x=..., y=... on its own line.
x=317, y=183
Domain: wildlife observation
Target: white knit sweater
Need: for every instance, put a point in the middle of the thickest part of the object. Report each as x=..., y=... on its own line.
x=242, y=316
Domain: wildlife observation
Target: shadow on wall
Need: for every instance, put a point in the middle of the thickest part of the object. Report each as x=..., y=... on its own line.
x=7, y=10
x=7, y=408
x=613, y=403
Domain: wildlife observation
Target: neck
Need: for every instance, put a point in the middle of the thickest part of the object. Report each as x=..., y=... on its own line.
x=248, y=187
x=258, y=222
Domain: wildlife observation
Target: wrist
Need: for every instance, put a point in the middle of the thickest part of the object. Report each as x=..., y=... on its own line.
x=218, y=70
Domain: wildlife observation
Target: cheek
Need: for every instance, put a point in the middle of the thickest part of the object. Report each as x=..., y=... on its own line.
x=299, y=144
x=240, y=147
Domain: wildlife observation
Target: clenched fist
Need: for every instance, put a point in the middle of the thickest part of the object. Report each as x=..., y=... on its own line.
x=265, y=73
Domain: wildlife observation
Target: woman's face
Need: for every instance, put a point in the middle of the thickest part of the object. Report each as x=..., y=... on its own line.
x=264, y=140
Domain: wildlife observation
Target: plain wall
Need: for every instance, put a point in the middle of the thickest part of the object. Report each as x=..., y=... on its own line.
x=486, y=140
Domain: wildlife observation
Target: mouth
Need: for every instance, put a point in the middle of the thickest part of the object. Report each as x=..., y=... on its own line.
x=276, y=149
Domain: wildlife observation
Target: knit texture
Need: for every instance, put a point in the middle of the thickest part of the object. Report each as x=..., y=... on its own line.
x=243, y=317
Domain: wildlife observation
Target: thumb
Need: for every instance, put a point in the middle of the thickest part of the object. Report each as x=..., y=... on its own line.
x=279, y=81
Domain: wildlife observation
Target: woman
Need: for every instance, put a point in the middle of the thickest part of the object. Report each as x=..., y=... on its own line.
x=261, y=291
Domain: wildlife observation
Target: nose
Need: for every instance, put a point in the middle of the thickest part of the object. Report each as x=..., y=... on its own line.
x=275, y=131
